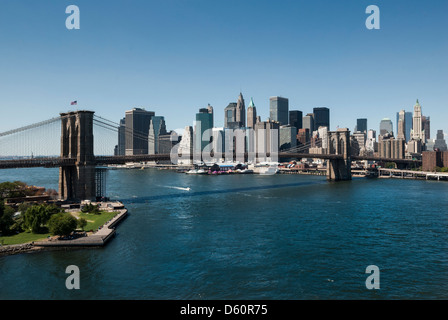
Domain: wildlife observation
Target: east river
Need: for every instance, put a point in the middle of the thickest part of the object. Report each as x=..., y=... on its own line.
x=278, y=237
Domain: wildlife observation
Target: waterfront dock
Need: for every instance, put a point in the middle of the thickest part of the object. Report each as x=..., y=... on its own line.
x=410, y=174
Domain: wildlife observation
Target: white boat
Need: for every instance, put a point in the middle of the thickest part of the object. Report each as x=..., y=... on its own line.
x=267, y=169
x=196, y=171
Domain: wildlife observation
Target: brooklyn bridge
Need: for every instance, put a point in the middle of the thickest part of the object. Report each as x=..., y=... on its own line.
x=81, y=171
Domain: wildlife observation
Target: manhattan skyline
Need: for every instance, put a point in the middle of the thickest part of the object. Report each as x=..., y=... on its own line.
x=176, y=57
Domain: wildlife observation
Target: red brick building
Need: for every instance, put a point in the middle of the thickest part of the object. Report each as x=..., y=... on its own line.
x=432, y=159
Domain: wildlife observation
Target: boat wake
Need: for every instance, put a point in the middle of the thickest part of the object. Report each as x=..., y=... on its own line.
x=179, y=188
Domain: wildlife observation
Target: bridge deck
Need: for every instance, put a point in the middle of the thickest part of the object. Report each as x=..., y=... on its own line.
x=106, y=160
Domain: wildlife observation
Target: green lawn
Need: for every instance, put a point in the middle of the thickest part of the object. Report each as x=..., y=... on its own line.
x=96, y=220
x=23, y=237
x=93, y=222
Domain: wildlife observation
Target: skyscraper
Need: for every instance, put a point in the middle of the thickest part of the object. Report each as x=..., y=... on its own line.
x=295, y=119
x=440, y=142
x=240, y=112
x=156, y=129
x=401, y=125
x=417, y=132
x=407, y=124
x=279, y=110
x=321, y=117
x=230, y=114
x=251, y=114
x=203, y=129
x=137, y=127
x=308, y=122
x=121, y=149
x=426, y=125
x=361, y=125
x=386, y=127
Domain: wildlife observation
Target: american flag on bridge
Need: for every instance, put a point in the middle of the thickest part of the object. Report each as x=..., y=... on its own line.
x=74, y=103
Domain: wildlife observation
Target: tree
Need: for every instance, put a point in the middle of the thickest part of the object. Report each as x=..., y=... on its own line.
x=6, y=218
x=62, y=224
x=82, y=223
x=13, y=189
x=90, y=208
x=37, y=216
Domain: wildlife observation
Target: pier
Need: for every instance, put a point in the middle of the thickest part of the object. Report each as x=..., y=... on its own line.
x=410, y=174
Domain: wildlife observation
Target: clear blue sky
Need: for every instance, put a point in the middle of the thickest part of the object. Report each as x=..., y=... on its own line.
x=173, y=57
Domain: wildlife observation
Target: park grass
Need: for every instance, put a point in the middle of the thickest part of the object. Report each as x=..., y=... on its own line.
x=23, y=237
x=94, y=221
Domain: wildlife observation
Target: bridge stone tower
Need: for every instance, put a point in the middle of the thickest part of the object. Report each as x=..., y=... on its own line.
x=77, y=182
x=339, y=144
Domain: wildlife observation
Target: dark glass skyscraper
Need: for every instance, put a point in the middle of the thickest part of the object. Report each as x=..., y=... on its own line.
x=137, y=129
x=321, y=117
x=279, y=110
x=295, y=119
x=361, y=125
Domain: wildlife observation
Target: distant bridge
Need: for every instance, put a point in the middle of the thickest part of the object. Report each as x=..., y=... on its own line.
x=80, y=179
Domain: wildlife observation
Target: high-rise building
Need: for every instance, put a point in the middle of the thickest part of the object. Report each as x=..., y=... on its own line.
x=303, y=136
x=229, y=114
x=407, y=124
x=157, y=128
x=358, y=142
x=185, y=149
x=167, y=141
x=386, y=127
x=121, y=148
x=137, y=127
x=361, y=125
x=401, y=125
x=321, y=117
x=240, y=112
x=296, y=119
x=426, y=125
x=251, y=114
x=266, y=139
x=218, y=143
x=391, y=148
x=417, y=132
x=203, y=129
x=279, y=110
x=440, y=142
x=308, y=122
x=288, y=137
x=371, y=144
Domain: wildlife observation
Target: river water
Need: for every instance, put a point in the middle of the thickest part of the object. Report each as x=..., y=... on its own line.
x=278, y=237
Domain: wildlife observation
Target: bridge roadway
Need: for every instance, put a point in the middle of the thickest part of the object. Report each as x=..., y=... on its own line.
x=51, y=162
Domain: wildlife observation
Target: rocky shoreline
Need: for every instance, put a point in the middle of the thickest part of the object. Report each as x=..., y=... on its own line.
x=17, y=249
